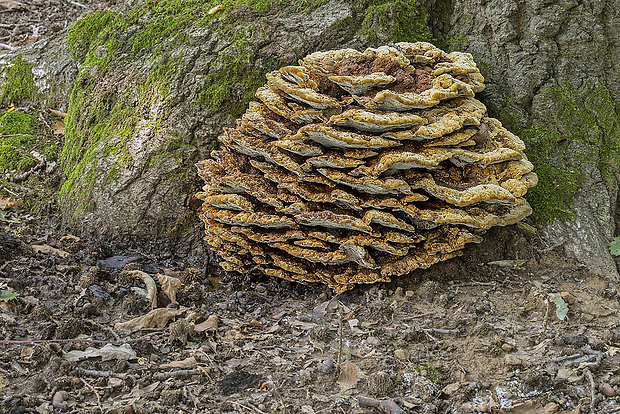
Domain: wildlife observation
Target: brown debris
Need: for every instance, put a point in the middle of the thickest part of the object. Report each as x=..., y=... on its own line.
x=355, y=167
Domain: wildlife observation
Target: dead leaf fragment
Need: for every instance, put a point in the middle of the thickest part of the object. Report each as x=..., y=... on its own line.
x=170, y=285
x=109, y=352
x=7, y=203
x=157, y=318
x=47, y=249
x=58, y=113
x=304, y=326
x=349, y=376
x=151, y=287
x=11, y=5
x=58, y=128
x=187, y=363
x=215, y=9
x=210, y=325
x=530, y=407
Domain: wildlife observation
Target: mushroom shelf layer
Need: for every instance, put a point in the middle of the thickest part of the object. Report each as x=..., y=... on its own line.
x=355, y=167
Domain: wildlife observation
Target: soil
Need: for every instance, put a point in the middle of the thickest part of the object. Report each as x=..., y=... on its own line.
x=468, y=335
x=25, y=21
x=510, y=327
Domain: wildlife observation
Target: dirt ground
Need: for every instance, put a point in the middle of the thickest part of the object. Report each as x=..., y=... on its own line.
x=468, y=335
x=510, y=327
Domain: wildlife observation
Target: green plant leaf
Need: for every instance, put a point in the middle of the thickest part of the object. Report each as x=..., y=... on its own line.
x=8, y=294
x=614, y=246
x=561, y=309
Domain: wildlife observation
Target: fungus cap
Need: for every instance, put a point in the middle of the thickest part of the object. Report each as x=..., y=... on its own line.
x=355, y=167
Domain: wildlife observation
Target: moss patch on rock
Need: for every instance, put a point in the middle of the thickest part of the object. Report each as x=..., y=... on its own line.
x=18, y=83
x=16, y=141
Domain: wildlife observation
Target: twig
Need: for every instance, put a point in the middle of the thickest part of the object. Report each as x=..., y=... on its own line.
x=599, y=355
x=75, y=3
x=96, y=393
x=40, y=341
x=183, y=373
x=431, y=336
x=104, y=328
x=7, y=47
x=14, y=135
x=592, y=389
x=443, y=331
x=367, y=402
x=420, y=315
x=546, y=318
x=102, y=374
x=565, y=357
x=247, y=407
x=339, y=336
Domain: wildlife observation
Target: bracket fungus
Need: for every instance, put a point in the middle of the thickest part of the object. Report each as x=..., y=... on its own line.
x=355, y=167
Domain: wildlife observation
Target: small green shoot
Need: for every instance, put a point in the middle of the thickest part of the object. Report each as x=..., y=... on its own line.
x=6, y=293
x=614, y=246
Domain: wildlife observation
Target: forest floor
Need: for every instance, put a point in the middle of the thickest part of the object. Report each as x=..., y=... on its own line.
x=531, y=333
x=512, y=326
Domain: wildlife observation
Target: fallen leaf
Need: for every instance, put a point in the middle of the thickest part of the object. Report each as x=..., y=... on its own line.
x=561, y=309
x=157, y=318
x=7, y=294
x=69, y=238
x=215, y=9
x=47, y=249
x=58, y=113
x=530, y=407
x=11, y=5
x=349, y=376
x=58, y=128
x=115, y=382
x=210, y=325
x=508, y=263
x=304, y=326
x=186, y=363
x=151, y=287
x=7, y=203
x=170, y=285
x=108, y=353
x=137, y=392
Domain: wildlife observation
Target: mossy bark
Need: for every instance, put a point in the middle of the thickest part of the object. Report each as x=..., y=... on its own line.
x=157, y=83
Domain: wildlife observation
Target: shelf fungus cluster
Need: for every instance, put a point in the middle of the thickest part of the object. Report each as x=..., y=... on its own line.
x=355, y=167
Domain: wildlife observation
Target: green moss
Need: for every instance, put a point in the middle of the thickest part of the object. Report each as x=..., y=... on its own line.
x=16, y=140
x=18, y=83
x=455, y=42
x=583, y=127
x=103, y=115
x=401, y=20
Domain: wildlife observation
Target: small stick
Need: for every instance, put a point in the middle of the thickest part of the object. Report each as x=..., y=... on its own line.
x=599, y=355
x=103, y=374
x=565, y=357
x=14, y=135
x=443, y=331
x=96, y=393
x=592, y=389
x=7, y=47
x=183, y=373
x=40, y=341
x=75, y=3
x=421, y=315
x=247, y=407
x=339, y=337
x=367, y=402
x=104, y=328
